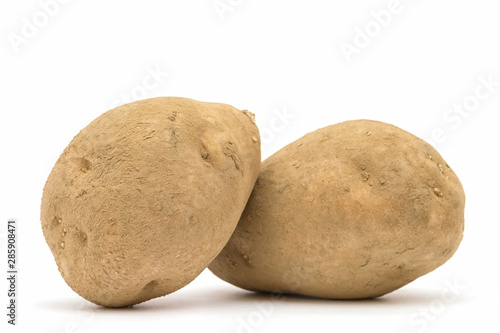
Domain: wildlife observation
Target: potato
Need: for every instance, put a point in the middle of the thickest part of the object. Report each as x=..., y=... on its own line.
x=146, y=196
x=354, y=210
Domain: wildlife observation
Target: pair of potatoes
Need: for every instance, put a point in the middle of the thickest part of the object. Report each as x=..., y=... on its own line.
x=153, y=192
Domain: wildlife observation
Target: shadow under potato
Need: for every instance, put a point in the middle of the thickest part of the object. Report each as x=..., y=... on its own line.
x=228, y=299
x=398, y=298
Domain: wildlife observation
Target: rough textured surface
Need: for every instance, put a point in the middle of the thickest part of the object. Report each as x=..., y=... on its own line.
x=145, y=197
x=353, y=210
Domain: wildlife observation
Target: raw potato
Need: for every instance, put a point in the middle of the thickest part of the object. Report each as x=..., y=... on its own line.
x=353, y=210
x=145, y=197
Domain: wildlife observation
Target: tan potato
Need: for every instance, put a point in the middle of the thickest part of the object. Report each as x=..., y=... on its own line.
x=145, y=197
x=353, y=210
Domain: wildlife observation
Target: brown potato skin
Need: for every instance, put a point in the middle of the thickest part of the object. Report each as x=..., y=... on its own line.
x=145, y=197
x=350, y=211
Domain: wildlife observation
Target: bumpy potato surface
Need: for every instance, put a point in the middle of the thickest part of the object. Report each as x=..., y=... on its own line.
x=145, y=197
x=353, y=210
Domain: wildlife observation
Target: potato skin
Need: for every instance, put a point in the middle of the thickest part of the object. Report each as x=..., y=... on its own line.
x=145, y=197
x=350, y=211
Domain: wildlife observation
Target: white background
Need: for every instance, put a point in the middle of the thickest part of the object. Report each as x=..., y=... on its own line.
x=272, y=58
